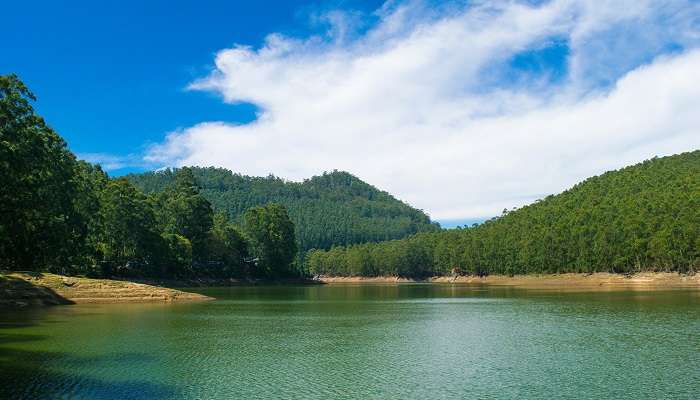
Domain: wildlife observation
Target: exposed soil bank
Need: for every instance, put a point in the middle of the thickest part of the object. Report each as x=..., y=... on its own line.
x=594, y=281
x=19, y=289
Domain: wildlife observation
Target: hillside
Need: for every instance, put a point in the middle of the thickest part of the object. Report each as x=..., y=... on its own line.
x=644, y=217
x=333, y=209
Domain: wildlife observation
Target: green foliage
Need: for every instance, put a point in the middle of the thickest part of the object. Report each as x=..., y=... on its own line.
x=40, y=223
x=329, y=210
x=128, y=235
x=92, y=182
x=172, y=234
x=272, y=241
x=643, y=217
x=176, y=257
x=67, y=216
x=184, y=211
x=227, y=248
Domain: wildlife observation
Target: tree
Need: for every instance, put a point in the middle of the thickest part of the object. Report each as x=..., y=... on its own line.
x=176, y=257
x=187, y=213
x=129, y=240
x=40, y=226
x=272, y=240
x=643, y=217
x=332, y=209
x=227, y=248
x=91, y=183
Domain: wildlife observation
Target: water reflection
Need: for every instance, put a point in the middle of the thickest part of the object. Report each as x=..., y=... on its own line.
x=360, y=341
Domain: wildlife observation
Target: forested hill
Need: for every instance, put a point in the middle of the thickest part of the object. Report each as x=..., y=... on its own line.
x=643, y=217
x=332, y=209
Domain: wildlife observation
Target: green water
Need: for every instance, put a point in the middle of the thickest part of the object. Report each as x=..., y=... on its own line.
x=360, y=342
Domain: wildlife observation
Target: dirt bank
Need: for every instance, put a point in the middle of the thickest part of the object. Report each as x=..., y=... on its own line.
x=27, y=288
x=550, y=281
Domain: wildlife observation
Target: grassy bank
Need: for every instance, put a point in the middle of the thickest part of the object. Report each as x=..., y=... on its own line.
x=35, y=289
x=594, y=281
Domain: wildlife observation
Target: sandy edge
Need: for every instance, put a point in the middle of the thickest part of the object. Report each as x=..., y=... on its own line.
x=22, y=289
x=552, y=281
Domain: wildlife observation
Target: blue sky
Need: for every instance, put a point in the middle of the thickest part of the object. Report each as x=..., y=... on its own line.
x=461, y=108
x=111, y=75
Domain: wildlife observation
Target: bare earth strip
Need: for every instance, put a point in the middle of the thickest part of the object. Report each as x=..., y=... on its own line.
x=596, y=281
x=21, y=289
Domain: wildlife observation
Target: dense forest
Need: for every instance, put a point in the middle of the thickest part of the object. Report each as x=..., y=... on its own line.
x=639, y=218
x=62, y=215
x=334, y=209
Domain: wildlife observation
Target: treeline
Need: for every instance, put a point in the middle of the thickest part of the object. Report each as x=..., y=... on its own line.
x=334, y=209
x=64, y=215
x=641, y=218
x=67, y=216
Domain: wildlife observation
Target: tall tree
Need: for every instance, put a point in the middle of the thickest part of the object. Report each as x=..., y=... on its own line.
x=187, y=213
x=92, y=182
x=129, y=236
x=272, y=240
x=227, y=249
x=40, y=226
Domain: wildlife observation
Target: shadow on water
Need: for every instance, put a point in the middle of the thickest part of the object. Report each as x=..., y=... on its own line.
x=27, y=373
x=24, y=374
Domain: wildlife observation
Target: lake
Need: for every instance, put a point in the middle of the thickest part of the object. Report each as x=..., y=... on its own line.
x=407, y=341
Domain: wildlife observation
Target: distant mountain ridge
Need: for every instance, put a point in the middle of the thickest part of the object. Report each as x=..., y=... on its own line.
x=332, y=209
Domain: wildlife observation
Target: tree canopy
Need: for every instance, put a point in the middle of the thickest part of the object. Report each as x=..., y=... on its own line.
x=272, y=241
x=40, y=220
x=332, y=209
x=64, y=215
x=640, y=218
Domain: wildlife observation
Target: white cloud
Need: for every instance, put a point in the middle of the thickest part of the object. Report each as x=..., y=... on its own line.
x=428, y=107
x=112, y=162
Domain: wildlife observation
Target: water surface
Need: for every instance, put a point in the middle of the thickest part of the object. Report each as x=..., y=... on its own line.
x=408, y=341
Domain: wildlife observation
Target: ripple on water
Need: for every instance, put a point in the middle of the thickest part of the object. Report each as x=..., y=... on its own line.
x=377, y=343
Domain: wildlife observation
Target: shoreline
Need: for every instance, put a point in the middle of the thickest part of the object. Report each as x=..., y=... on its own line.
x=594, y=281
x=23, y=289
x=230, y=282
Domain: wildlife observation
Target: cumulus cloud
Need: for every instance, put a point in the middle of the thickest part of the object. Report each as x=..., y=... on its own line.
x=460, y=110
